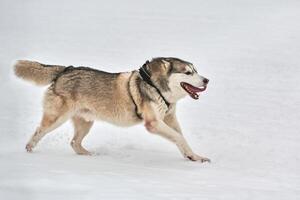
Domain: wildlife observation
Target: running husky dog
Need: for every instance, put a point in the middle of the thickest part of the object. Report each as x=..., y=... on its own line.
x=84, y=94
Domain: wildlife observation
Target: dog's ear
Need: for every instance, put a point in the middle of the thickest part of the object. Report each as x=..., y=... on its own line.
x=167, y=65
x=159, y=66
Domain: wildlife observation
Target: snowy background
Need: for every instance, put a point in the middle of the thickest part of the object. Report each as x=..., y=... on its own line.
x=247, y=122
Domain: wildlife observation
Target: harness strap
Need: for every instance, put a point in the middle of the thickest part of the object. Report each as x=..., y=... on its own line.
x=131, y=97
x=146, y=77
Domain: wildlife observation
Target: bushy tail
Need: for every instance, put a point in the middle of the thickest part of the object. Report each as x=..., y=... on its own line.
x=36, y=72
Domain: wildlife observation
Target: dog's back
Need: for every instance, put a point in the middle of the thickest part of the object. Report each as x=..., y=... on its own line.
x=88, y=92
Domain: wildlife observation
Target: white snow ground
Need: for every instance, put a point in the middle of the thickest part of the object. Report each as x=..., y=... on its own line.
x=247, y=121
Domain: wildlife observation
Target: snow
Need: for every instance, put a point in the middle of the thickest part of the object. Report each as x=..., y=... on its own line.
x=247, y=122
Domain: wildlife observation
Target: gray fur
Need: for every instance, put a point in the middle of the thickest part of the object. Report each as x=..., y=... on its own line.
x=84, y=94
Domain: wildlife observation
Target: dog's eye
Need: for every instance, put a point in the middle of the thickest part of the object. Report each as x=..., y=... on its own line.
x=188, y=73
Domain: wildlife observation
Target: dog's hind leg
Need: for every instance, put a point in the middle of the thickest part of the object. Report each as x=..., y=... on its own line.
x=49, y=122
x=56, y=112
x=81, y=128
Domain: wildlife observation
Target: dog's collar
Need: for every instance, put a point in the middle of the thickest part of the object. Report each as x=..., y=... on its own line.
x=146, y=77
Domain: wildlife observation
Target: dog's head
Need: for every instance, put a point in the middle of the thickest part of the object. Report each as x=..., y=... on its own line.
x=175, y=78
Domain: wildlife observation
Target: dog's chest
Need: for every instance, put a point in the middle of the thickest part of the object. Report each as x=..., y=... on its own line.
x=160, y=108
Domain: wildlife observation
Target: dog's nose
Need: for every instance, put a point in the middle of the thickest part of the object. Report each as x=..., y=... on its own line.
x=205, y=80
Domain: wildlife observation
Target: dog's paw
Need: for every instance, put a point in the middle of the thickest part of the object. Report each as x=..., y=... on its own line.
x=29, y=148
x=80, y=150
x=85, y=153
x=195, y=157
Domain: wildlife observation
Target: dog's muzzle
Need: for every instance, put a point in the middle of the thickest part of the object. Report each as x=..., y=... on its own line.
x=192, y=90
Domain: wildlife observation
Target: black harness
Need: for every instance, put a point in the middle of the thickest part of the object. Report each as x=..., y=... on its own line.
x=139, y=115
x=146, y=77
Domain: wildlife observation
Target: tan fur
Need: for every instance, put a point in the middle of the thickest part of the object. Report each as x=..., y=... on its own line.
x=124, y=99
x=37, y=72
x=81, y=127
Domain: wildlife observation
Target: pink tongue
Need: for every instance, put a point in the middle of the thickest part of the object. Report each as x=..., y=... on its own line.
x=192, y=90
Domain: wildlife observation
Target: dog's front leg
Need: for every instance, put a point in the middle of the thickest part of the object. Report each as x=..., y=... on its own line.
x=155, y=125
x=171, y=121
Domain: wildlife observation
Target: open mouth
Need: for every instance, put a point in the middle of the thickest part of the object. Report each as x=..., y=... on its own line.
x=192, y=90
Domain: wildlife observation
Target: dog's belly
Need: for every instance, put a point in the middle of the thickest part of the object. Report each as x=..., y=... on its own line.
x=120, y=118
